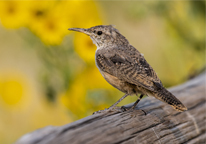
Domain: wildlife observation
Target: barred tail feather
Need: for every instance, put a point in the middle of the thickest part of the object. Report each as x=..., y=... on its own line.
x=167, y=97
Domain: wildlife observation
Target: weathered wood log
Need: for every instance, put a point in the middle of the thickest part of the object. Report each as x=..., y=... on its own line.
x=160, y=125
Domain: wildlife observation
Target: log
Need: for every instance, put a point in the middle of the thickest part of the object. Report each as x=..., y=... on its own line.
x=161, y=124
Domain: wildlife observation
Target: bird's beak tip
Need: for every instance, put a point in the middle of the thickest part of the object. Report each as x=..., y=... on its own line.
x=72, y=29
x=80, y=30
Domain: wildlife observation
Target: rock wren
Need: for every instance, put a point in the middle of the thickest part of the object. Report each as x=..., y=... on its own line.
x=125, y=68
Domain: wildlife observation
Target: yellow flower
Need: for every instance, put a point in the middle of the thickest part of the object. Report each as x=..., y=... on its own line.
x=13, y=91
x=21, y=100
x=85, y=48
x=49, y=20
x=37, y=12
x=87, y=17
x=93, y=79
x=88, y=14
x=52, y=30
x=13, y=14
x=77, y=99
x=74, y=99
x=46, y=21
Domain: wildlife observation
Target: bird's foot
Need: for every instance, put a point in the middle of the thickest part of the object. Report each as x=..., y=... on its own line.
x=115, y=109
x=101, y=111
x=123, y=108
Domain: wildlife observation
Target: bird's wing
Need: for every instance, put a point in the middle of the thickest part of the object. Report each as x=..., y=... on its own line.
x=128, y=65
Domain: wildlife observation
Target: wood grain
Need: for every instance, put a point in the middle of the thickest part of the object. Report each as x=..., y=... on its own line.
x=161, y=125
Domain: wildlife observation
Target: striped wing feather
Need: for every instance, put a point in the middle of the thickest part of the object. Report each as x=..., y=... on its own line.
x=128, y=65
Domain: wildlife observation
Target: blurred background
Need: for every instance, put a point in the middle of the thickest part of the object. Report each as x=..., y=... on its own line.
x=48, y=74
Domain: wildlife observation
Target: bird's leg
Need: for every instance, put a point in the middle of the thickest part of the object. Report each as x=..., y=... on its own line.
x=111, y=107
x=134, y=105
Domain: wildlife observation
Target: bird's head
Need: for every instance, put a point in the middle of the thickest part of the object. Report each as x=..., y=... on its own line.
x=103, y=35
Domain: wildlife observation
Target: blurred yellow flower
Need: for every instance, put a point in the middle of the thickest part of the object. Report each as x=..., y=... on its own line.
x=76, y=98
x=11, y=92
x=85, y=48
x=88, y=14
x=88, y=17
x=13, y=89
x=52, y=30
x=46, y=21
x=13, y=14
x=37, y=12
x=49, y=20
x=93, y=79
x=21, y=100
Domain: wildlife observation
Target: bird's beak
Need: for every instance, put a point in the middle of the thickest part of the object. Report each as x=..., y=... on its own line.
x=85, y=31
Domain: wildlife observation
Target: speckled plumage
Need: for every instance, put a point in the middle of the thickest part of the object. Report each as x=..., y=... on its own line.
x=124, y=67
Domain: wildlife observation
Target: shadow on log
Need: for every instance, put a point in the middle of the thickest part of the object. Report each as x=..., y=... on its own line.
x=161, y=125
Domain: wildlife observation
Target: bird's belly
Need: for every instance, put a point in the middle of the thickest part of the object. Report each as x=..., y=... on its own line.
x=120, y=85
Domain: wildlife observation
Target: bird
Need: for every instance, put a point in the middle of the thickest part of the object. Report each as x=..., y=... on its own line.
x=125, y=68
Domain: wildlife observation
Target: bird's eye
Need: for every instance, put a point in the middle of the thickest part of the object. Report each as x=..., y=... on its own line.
x=99, y=32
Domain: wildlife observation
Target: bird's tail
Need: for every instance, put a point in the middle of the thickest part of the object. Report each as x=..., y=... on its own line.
x=167, y=97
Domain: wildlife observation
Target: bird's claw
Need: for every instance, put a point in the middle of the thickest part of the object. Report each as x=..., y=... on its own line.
x=123, y=109
x=114, y=109
x=101, y=111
